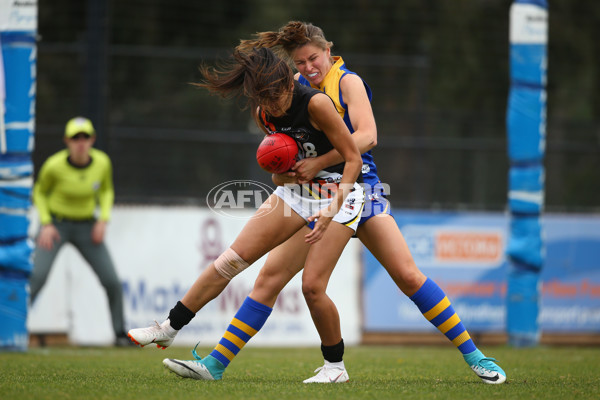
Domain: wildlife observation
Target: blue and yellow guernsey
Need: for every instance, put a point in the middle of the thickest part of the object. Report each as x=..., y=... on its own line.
x=331, y=86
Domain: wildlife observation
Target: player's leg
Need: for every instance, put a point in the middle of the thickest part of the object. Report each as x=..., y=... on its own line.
x=282, y=264
x=98, y=257
x=381, y=235
x=320, y=262
x=270, y=226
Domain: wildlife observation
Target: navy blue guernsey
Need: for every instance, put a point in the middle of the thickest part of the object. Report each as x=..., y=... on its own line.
x=296, y=124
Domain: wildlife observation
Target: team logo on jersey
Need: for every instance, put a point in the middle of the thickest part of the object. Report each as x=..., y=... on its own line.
x=298, y=134
x=350, y=203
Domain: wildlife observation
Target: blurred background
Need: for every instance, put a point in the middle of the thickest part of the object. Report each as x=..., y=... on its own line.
x=438, y=71
x=517, y=256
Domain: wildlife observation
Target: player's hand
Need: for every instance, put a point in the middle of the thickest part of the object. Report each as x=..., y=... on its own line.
x=323, y=219
x=306, y=169
x=98, y=232
x=48, y=235
x=284, y=179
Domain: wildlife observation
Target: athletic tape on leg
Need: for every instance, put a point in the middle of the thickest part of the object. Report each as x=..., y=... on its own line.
x=229, y=264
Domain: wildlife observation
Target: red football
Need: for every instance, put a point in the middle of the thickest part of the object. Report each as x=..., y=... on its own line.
x=277, y=153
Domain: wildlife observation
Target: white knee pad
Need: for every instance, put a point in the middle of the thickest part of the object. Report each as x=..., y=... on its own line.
x=229, y=264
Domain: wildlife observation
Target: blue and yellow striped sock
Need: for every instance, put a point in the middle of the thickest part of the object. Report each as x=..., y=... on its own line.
x=435, y=306
x=247, y=322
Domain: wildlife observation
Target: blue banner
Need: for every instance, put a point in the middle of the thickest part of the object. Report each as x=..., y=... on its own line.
x=464, y=254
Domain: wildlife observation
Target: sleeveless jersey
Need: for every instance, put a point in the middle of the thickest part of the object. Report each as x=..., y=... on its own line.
x=296, y=124
x=331, y=86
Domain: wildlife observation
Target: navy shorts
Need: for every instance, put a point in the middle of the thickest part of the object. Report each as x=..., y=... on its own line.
x=375, y=204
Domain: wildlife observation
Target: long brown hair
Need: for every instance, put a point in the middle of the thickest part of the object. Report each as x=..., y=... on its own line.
x=255, y=73
x=288, y=38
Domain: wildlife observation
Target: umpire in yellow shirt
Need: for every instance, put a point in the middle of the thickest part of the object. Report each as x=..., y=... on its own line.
x=69, y=187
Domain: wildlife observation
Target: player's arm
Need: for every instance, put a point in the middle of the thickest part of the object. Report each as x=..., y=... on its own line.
x=106, y=199
x=106, y=193
x=48, y=233
x=362, y=119
x=360, y=111
x=283, y=179
x=324, y=117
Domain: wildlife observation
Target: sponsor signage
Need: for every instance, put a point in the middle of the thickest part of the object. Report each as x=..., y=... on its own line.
x=159, y=252
x=464, y=254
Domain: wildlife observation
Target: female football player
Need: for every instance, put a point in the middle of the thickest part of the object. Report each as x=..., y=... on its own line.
x=307, y=48
x=279, y=104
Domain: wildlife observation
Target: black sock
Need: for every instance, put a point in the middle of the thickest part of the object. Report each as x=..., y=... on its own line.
x=333, y=353
x=180, y=316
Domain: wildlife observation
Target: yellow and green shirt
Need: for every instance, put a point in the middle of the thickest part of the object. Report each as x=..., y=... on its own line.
x=65, y=190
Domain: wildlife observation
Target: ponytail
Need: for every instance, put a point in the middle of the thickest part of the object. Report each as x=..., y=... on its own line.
x=256, y=74
x=293, y=35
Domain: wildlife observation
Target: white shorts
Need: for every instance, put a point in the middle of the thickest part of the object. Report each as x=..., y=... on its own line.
x=305, y=206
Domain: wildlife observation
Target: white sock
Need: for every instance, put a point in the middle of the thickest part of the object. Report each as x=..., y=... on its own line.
x=166, y=326
x=339, y=365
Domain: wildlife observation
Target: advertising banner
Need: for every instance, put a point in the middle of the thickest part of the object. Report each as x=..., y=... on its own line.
x=464, y=254
x=159, y=252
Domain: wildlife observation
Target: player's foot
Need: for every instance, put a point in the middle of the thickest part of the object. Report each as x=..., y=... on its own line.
x=205, y=369
x=485, y=367
x=329, y=374
x=160, y=334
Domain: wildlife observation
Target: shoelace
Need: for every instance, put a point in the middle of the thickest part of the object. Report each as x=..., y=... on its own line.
x=485, y=364
x=152, y=328
x=195, y=354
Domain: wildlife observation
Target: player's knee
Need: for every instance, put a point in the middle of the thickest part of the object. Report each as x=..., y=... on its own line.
x=267, y=287
x=410, y=280
x=229, y=264
x=312, y=290
x=262, y=280
x=414, y=278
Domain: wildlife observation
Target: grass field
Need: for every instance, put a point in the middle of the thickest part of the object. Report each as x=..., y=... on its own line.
x=376, y=372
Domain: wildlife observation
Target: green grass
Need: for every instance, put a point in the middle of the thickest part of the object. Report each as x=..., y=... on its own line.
x=376, y=372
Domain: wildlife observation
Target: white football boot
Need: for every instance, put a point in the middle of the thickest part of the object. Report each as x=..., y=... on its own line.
x=160, y=334
x=329, y=374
